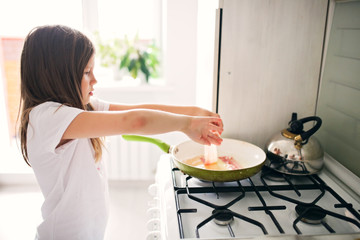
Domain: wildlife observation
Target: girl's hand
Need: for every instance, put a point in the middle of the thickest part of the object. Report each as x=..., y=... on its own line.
x=205, y=130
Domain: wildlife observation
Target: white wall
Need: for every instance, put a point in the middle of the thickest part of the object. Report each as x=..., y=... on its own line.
x=205, y=52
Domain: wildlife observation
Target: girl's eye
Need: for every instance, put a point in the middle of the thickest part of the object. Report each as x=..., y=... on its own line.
x=87, y=73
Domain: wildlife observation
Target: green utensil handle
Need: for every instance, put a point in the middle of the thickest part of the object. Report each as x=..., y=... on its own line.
x=163, y=146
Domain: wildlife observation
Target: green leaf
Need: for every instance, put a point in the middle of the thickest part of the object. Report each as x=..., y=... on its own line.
x=125, y=61
x=144, y=69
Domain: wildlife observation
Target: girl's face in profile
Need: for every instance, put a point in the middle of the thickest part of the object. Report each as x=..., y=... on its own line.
x=88, y=81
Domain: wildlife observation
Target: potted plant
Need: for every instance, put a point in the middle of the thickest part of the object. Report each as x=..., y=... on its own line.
x=109, y=51
x=138, y=57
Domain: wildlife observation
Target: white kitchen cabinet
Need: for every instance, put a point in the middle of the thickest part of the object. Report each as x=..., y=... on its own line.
x=269, y=57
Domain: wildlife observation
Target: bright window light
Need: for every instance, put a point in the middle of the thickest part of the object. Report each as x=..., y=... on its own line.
x=123, y=17
x=18, y=17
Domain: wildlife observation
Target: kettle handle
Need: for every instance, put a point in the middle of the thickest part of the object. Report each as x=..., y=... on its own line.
x=306, y=135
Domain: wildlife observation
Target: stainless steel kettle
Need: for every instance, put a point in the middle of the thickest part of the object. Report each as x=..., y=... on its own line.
x=293, y=152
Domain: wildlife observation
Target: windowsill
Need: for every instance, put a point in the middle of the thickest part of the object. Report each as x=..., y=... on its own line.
x=134, y=85
x=137, y=88
x=107, y=82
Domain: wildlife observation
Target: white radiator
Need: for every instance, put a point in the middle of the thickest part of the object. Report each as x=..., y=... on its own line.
x=131, y=160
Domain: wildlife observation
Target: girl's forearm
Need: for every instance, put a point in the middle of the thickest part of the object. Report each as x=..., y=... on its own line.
x=98, y=124
x=204, y=130
x=186, y=110
x=147, y=121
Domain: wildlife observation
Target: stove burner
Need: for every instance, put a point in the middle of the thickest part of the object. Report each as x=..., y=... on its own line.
x=272, y=175
x=223, y=217
x=314, y=214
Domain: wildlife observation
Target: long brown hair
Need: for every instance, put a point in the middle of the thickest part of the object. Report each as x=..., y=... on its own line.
x=53, y=60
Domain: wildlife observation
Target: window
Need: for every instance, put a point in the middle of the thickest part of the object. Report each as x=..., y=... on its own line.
x=21, y=16
x=123, y=19
x=111, y=18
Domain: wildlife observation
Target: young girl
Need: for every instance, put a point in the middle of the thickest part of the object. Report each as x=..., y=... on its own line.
x=62, y=125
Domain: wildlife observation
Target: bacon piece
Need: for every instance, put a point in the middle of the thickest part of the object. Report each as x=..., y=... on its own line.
x=231, y=162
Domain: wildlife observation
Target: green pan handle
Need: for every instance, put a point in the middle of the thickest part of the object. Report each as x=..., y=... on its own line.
x=163, y=146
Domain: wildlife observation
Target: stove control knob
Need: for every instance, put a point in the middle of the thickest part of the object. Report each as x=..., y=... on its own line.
x=153, y=235
x=153, y=213
x=154, y=202
x=153, y=190
x=153, y=224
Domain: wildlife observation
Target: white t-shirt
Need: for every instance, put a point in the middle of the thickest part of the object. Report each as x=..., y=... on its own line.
x=74, y=186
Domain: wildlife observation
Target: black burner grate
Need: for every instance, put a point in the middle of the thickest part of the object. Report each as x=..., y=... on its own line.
x=222, y=215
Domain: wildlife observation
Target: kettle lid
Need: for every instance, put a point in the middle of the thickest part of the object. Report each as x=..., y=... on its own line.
x=295, y=125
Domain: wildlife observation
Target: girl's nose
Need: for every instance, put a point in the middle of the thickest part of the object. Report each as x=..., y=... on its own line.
x=93, y=81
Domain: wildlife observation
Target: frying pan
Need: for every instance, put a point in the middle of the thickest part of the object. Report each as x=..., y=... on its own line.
x=250, y=157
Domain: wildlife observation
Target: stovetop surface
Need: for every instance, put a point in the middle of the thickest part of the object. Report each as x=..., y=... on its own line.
x=263, y=205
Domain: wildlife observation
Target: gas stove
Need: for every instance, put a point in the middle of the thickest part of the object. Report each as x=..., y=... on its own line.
x=269, y=205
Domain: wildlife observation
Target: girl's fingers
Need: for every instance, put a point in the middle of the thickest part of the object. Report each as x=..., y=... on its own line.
x=204, y=140
x=206, y=130
x=215, y=138
x=215, y=132
x=216, y=129
x=217, y=122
